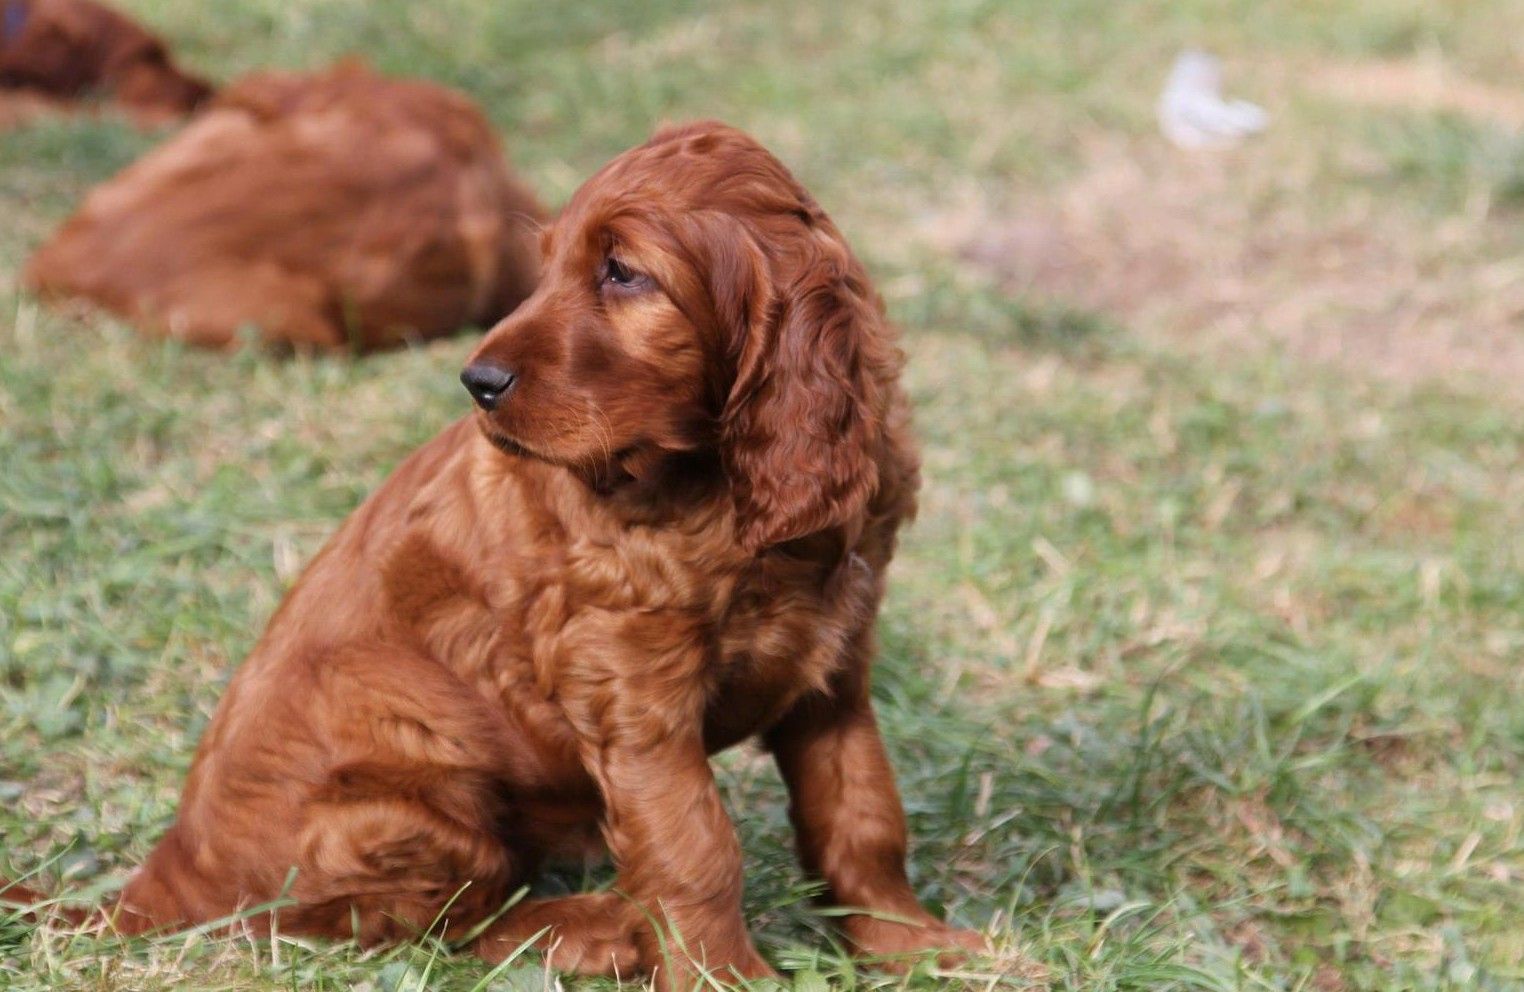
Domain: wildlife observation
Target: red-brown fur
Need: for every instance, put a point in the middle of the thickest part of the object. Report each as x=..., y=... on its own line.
x=69, y=49
x=335, y=210
x=670, y=537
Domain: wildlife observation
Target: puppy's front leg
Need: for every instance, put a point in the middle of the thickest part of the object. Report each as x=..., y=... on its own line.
x=849, y=823
x=673, y=844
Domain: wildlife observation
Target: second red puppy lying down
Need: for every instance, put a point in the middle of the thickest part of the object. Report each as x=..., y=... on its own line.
x=665, y=531
x=338, y=210
x=64, y=50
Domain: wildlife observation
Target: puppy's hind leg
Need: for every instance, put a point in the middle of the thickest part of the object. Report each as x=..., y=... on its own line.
x=363, y=783
x=404, y=830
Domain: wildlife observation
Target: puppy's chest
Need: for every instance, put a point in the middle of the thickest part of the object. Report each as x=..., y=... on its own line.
x=778, y=642
x=753, y=636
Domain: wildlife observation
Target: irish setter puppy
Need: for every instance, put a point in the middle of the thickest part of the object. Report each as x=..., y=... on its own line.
x=66, y=49
x=664, y=530
x=336, y=210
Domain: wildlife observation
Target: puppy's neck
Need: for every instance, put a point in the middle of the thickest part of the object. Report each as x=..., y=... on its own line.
x=647, y=482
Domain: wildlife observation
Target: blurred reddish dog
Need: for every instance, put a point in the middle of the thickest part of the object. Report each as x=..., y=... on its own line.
x=55, y=51
x=665, y=531
x=339, y=210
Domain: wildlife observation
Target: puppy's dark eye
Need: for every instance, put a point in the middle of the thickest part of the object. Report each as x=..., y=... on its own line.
x=620, y=276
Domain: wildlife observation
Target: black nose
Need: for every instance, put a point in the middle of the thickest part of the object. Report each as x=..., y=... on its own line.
x=487, y=383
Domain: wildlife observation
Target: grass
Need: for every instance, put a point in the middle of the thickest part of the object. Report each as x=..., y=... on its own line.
x=1200, y=664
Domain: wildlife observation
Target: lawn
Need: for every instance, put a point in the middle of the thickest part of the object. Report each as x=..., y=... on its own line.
x=1201, y=663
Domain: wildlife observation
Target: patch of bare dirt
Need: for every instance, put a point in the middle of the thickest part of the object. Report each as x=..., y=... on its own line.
x=1424, y=86
x=1231, y=249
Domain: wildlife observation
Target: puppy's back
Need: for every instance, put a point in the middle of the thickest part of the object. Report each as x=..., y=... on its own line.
x=329, y=210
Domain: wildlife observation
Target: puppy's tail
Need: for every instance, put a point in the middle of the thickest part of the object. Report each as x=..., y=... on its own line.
x=160, y=897
x=23, y=902
x=34, y=907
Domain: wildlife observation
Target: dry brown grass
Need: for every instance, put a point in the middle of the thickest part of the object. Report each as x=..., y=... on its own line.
x=1246, y=248
x=1420, y=85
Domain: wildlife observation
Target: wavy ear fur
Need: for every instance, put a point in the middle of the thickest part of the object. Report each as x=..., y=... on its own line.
x=802, y=422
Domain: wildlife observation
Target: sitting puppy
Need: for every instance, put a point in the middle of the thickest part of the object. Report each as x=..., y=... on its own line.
x=664, y=531
x=341, y=210
x=69, y=49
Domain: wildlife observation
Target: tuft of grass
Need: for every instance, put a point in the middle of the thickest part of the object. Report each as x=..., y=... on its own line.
x=1199, y=662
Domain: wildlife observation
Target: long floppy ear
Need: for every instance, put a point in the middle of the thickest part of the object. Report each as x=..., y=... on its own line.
x=801, y=422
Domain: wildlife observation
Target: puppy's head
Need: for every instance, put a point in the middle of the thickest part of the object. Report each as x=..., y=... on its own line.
x=147, y=79
x=695, y=298
x=71, y=49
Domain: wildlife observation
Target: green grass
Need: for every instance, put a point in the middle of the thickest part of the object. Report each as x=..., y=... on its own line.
x=1200, y=664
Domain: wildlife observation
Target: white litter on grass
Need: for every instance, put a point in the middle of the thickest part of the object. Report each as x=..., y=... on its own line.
x=1192, y=111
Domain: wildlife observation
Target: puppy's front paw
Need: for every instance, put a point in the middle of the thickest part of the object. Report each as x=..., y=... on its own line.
x=901, y=943
x=685, y=976
x=753, y=968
